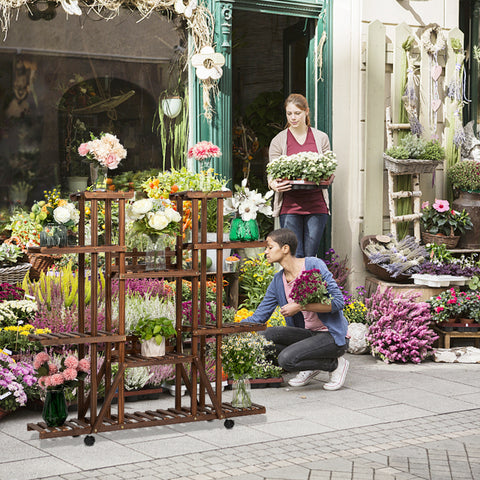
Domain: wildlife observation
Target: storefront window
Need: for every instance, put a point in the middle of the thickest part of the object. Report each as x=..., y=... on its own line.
x=62, y=78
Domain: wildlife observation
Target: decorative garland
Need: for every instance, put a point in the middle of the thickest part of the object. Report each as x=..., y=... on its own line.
x=455, y=92
x=198, y=18
x=433, y=49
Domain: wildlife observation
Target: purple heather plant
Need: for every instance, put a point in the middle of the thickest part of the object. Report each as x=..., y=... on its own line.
x=309, y=287
x=338, y=267
x=187, y=312
x=449, y=269
x=146, y=287
x=399, y=328
x=10, y=292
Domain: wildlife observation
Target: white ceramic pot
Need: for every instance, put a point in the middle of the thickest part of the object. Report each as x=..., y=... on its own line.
x=172, y=106
x=150, y=348
x=212, y=237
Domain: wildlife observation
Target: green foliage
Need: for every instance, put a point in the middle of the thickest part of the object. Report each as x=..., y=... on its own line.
x=255, y=277
x=266, y=116
x=157, y=328
x=129, y=180
x=447, y=222
x=413, y=146
x=439, y=253
x=465, y=176
x=10, y=254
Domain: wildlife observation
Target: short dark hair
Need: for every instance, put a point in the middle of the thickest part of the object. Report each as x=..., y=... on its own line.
x=285, y=236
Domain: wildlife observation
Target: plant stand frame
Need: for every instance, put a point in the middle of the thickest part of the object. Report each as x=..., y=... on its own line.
x=117, y=347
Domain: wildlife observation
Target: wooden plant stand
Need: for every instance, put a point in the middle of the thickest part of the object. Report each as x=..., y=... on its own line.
x=114, y=344
x=444, y=337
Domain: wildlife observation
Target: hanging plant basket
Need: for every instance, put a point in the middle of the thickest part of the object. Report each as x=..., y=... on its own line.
x=409, y=165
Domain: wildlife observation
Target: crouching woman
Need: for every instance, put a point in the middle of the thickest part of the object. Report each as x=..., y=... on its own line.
x=314, y=339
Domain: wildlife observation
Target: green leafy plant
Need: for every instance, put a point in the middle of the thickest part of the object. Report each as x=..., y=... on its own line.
x=157, y=328
x=10, y=254
x=255, y=277
x=413, y=146
x=465, y=176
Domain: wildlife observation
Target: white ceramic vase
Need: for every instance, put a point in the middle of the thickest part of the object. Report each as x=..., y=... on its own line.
x=150, y=348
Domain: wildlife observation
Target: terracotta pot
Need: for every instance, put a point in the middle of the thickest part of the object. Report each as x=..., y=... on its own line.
x=471, y=203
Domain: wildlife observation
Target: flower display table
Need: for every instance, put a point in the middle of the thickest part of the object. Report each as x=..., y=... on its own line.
x=372, y=283
x=445, y=337
x=113, y=343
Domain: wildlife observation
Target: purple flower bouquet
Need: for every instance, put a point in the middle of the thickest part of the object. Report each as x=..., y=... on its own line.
x=309, y=287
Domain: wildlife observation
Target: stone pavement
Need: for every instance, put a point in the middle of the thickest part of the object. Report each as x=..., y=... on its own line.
x=388, y=422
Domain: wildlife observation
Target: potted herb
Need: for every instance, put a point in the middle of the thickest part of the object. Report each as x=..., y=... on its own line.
x=443, y=225
x=153, y=331
x=414, y=154
x=464, y=177
x=304, y=169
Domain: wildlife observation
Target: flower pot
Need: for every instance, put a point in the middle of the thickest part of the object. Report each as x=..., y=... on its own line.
x=244, y=230
x=172, y=106
x=155, y=258
x=471, y=203
x=77, y=184
x=150, y=348
x=450, y=241
x=55, y=407
x=212, y=254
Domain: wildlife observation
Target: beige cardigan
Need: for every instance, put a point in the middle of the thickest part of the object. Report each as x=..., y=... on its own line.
x=278, y=146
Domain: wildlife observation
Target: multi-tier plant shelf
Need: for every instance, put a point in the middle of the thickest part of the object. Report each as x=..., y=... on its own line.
x=96, y=415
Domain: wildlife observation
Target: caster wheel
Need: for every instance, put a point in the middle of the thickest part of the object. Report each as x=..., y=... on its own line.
x=229, y=424
x=89, y=440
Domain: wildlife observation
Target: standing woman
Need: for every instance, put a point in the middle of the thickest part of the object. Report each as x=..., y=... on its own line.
x=303, y=211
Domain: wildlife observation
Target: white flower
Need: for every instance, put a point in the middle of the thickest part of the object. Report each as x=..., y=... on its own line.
x=61, y=215
x=141, y=207
x=172, y=215
x=158, y=220
x=248, y=210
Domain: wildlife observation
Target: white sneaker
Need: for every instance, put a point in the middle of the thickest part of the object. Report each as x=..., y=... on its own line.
x=337, y=377
x=303, y=378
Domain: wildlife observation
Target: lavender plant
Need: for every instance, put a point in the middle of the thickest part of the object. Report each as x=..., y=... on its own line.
x=399, y=327
x=397, y=257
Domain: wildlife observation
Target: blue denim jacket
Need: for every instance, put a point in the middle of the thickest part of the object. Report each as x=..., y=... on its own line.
x=335, y=321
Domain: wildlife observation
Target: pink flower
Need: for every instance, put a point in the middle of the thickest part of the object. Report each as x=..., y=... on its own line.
x=70, y=374
x=71, y=362
x=83, y=149
x=40, y=359
x=44, y=382
x=56, y=379
x=204, y=150
x=425, y=205
x=84, y=365
x=52, y=369
x=441, y=205
x=111, y=161
x=439, y=309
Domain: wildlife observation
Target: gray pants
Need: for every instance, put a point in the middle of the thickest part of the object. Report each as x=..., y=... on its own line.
x=301, y=349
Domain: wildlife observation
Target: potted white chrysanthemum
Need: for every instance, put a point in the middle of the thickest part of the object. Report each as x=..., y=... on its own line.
x=304, y=169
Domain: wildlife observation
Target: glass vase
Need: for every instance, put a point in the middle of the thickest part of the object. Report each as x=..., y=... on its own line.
x=241, y=393
x=155, y=258
x=98, y=177
x=244, y=230
x=53, y=235
x=55, y=407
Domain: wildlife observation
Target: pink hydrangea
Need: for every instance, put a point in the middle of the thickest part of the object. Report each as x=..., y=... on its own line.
x=204, y=150
x=40, y=359
x=84, y=365
x=70, y=374
x=71, y=362
x=52, y=368
x=56, y=379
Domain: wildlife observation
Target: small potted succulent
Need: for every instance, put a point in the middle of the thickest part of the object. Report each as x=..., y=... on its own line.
x=153, y=331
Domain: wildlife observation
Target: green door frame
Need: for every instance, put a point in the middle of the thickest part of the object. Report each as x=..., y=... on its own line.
x=319, y=92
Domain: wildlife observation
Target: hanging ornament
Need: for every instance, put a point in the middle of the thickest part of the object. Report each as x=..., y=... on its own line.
x=185, y=9
x=433, y=41
x=208, y=63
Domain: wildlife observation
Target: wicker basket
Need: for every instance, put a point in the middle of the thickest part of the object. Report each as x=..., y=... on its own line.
x=409, y=165
x=15, y=274
x=41, y=262
x=378, y=270
x=450, y=241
